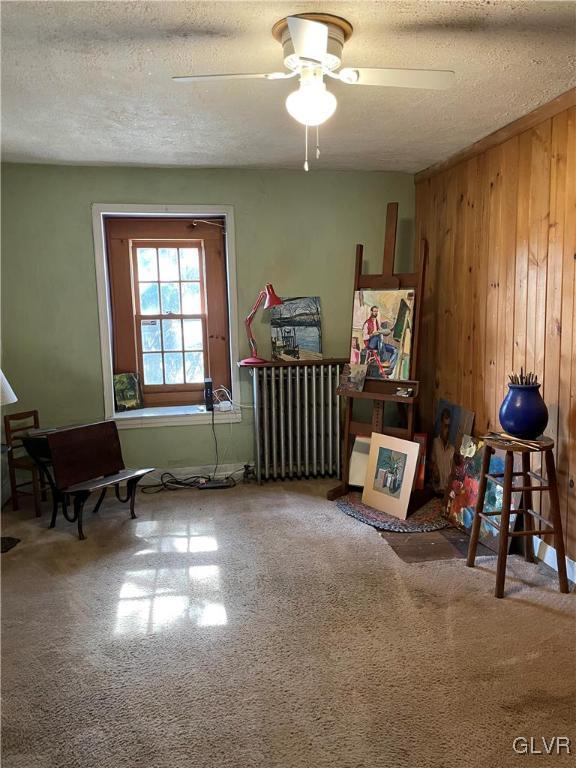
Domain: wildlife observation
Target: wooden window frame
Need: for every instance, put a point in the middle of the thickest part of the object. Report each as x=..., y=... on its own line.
x=125, y=312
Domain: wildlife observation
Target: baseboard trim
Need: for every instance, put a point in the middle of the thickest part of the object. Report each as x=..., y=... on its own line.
x=547, y=554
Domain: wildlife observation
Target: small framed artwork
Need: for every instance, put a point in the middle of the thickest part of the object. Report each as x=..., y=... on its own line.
x=390, y=474
x=127, y=391
x=352, y=378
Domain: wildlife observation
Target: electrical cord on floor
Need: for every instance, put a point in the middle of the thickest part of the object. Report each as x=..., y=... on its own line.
x=169, y=482
x=215, y=445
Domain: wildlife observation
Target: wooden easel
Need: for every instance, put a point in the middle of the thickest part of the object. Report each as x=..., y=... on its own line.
x=383, y=391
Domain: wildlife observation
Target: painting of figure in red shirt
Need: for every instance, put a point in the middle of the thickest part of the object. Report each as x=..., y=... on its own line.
x=382, y=332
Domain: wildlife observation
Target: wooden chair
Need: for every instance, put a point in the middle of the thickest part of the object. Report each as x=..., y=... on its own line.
x=17, y=425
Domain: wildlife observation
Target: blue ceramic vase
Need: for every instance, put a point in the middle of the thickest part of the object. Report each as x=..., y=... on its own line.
x=523, y=413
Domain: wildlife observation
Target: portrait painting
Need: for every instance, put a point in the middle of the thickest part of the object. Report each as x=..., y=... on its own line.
x=382, y=324
x=451, y=423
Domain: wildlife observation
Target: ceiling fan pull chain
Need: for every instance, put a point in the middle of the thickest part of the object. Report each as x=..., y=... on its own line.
x=306, y=148
x=317, y=142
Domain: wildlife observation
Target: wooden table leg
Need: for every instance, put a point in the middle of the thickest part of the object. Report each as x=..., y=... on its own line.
x=527, y=504
x=476, y=522
x=504, y=525
x=556, y=520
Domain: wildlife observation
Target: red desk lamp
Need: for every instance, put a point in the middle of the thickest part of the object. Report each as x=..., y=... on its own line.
x=268, y=295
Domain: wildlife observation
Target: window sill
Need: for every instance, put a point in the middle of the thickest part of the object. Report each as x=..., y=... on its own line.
x=173, y=416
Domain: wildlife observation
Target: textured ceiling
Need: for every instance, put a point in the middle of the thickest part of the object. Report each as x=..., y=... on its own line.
x=89, y=82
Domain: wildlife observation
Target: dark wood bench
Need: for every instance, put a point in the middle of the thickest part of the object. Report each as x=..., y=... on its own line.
x=78, y=461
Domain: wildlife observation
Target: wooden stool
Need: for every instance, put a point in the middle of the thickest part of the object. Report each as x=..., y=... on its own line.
x=506, y=480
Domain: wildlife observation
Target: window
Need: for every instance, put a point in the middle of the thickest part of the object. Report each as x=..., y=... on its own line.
x=169, y=305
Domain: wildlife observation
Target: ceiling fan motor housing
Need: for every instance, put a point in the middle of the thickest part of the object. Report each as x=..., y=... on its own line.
x=339, y=30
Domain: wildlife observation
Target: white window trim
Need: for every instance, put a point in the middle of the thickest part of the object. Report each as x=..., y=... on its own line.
x=99, y=211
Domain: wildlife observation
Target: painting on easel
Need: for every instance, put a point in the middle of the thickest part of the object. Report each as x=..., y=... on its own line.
x=382, y=325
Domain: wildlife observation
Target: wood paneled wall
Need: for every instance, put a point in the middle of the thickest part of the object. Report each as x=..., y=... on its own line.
x=501, y=228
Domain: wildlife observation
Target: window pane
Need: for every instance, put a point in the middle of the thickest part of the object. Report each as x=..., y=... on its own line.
x=168, y=260
x=170, y=298
x=174, y=368
x=194, y=367
x=191, y=304
x=152, y=369
x=150, y=330
x=193, y=334
x=149, y=298
x=147, y=268
x=189, y=264
x=172, y=333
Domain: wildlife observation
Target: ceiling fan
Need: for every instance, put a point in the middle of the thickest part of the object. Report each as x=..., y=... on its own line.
x=312, y=44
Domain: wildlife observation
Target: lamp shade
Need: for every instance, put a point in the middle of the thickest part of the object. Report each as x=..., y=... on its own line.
x=7, y=394
x=272, y=300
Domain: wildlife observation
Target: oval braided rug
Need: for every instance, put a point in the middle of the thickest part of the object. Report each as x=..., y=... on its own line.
x=427, y=518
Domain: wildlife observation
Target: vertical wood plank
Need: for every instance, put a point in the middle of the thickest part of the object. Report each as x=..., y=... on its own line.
x=555, y=272
x=479, y=300
x=470, y=262
x=493, y=256
x=507, y=271
x=538, y=247
x=567, y=397
x=522, y=240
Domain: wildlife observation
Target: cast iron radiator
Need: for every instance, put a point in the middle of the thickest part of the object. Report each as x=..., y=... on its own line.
x=296, y=420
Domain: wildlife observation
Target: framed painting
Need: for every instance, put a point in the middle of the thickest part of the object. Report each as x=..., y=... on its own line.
x=296, y=329
x=127, y=391
x=462, y=491
x=352, y=378
x=451, y=423
x=382, y=323
x=390, y=474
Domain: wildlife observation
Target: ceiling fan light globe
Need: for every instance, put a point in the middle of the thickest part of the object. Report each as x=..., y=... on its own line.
x=311, y=105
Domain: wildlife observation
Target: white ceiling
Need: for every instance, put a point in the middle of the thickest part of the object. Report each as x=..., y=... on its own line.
x=89, y=82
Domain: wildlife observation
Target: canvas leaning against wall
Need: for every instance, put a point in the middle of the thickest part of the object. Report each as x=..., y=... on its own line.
x=382, y=324
x=451, y=423
x=462, y=491
x=296, y=328
x=390, y=474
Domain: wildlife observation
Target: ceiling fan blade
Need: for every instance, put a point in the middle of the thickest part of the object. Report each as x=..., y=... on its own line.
x=433, y=79
x=310, y=38
x=236, y=76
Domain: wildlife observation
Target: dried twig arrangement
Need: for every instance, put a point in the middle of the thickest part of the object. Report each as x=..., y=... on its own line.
x=527, y=379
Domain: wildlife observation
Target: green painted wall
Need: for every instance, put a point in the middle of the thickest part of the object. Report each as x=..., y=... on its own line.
x=297, y=230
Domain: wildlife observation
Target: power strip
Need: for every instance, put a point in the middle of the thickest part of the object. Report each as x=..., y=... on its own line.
x=216, y=484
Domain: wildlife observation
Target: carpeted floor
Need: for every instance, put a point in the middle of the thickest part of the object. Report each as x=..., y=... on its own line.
x=263, y=628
